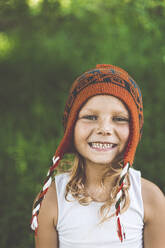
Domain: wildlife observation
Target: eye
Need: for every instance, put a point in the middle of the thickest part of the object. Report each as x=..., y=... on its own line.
x=120, y=119
x=90, y=117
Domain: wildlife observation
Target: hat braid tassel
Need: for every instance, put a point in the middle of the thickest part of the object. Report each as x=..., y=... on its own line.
x=120, y=228
x=37, y=205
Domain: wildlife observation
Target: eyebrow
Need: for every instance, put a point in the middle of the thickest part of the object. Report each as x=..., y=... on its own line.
x=89, y=110
x=121, y=113
x=94, y=111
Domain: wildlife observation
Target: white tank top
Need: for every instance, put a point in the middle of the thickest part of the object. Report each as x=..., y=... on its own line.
x=79, y=226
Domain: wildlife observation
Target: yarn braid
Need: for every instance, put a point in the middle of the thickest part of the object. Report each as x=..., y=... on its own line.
x=37, y=205
x=119, y=197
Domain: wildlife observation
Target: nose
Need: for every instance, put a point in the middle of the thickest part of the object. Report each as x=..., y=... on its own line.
x=104, y=128
x=103, y=131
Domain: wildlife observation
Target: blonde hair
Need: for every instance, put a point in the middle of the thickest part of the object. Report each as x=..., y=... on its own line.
x=76, y=187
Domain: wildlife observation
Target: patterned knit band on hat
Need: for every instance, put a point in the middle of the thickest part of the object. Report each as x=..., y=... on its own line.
x=102, y=80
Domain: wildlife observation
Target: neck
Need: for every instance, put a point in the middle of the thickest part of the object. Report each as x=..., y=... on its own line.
x=96, y=187
x=94, y=173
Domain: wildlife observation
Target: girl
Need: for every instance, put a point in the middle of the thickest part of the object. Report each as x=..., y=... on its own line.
x=101, y=202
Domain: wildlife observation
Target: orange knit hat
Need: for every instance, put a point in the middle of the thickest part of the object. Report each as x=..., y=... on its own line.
x=102, y=80
x=110, y=80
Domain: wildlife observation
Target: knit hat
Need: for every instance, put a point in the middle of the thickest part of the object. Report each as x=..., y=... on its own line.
x=102, y=80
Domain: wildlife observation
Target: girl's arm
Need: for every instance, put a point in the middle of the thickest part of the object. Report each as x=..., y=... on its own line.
x=47, y=236
x=154, y=215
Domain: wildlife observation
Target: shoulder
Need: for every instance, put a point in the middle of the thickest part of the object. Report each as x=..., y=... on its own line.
x=151, y=191
x=47, y=235
x=153, y=199
x=49, y=207
x=154, y=215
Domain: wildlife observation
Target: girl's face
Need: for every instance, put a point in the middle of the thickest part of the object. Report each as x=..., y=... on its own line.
x=102, y=129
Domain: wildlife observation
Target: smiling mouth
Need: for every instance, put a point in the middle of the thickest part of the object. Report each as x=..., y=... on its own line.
x=102, y=145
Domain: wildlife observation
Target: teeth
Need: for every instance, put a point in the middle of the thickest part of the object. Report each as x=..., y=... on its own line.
x=101, y=145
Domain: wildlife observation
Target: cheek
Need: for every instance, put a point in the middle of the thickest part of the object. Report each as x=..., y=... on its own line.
x=76, y=133
x=79, y=133
x=79, y=137
x=124, y=133
x=82, y=132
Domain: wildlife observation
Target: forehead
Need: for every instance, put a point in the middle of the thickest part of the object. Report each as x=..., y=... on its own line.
x=104, y=103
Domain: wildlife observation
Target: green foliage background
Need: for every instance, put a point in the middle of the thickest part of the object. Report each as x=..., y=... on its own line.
x=44, y=45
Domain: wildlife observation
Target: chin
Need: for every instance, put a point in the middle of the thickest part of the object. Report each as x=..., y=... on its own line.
x=100, y=161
